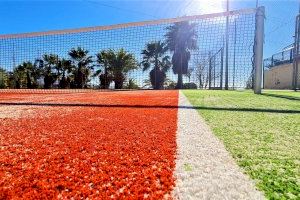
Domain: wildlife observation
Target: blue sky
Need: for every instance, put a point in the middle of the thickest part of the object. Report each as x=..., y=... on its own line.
x=27, y=16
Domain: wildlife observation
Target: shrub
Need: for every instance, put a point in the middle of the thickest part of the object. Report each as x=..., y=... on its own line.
x=132, y=85
x=189, y=86
x=169, y=84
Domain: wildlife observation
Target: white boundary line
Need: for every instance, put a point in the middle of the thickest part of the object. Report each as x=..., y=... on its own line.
x=204, y=169
x=126, y=25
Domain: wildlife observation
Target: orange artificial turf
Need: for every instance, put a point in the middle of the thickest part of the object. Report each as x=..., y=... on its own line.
x=118, y=145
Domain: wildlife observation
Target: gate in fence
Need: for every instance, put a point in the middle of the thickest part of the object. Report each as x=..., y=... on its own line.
x=144, y=55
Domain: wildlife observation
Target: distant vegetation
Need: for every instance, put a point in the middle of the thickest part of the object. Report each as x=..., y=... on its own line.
x=109, y=66
x=154, y=56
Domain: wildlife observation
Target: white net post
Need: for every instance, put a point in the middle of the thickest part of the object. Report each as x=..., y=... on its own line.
x=258, y=49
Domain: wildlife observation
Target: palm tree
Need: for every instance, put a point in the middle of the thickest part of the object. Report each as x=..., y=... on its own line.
x=181, y=38
x=119, y=63
x=46, y=65
x=64, y=67
x=83, y=66
x=105, y=73
x=33, y=73
x=154, y=55
x=123, y=62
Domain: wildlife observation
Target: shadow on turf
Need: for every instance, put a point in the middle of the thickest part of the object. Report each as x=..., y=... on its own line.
x=149, y=106
x=282, y=96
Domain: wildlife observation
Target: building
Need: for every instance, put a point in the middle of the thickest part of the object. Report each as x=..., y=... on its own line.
x=279, y=70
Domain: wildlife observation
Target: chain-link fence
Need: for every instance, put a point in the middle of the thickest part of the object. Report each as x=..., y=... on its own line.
x=284, y=57
x=185, y=52
x=216, y=68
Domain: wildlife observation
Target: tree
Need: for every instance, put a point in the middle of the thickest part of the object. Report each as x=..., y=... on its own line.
x=32, y=74
x=64, y=68
x=201, y=72
x=118, y=63
x=154, y=56
x=105, y=71
x=82, y=64
x=19, y=77
x=11, y=80
x=181, y=38
x=46, y=65
x=123, y=62
x=189, y=73
x=3, y=78
x=24, y=75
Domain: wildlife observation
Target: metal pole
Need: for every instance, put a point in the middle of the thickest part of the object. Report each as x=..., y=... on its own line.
x=221, y=78
x=226, y=46
x=234, y=52
x=209, y=73
x=214, y=76
x=258, y=48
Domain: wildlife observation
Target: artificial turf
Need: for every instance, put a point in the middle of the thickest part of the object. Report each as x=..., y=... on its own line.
x=262, y=132
x=97, y=145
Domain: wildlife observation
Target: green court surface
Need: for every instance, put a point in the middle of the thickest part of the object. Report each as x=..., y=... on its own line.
x=262, y=132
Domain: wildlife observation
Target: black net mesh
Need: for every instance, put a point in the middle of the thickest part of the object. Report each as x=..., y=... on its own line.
x=111, y=57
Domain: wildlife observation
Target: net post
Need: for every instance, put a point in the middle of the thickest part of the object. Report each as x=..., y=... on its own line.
x=258, y=48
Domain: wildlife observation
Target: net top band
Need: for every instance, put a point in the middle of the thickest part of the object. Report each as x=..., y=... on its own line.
x=127, y=25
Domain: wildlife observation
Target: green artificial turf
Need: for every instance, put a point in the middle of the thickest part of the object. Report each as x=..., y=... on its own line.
x=262, y=132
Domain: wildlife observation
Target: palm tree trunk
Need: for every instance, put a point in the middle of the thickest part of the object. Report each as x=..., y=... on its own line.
x=29, y=86
x=47, y=82
x=62, y=82
x=18, y=85
x=179, y=82
x=106, y=81
x=158, y=79
x=119, y=80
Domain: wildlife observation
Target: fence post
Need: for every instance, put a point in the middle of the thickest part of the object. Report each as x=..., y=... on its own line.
x=258, y=48
x=226, y=46
x=272, y=61
x=221, y=78
x=209, y=73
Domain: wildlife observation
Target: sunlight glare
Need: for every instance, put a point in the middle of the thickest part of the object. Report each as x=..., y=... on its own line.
x=206, y=7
